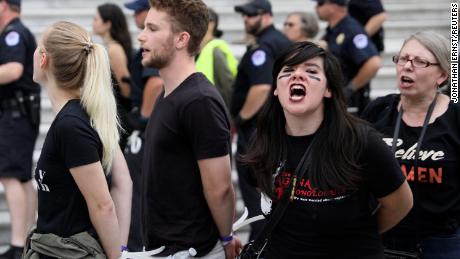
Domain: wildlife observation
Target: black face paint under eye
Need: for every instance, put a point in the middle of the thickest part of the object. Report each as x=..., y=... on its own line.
x=285, y=75
x=315, y=78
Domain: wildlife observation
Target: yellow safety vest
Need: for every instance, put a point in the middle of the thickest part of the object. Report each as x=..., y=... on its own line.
x=205, y=62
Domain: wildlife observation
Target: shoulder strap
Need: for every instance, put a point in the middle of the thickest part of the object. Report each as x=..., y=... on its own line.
x=284, y=202
x=417, y=152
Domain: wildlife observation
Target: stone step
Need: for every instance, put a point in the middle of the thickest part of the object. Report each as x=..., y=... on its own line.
x=404, y=17
x=3, y=205
x=4, y=228
x=414, y=11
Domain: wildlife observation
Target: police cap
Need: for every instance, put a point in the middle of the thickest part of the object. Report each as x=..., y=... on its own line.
x=14, y=2
x=254, y=7
x=338, y=2
x=138, y=5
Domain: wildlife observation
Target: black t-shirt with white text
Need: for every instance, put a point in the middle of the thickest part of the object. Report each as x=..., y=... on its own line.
x=70, y=142
x=438, y=175
x=188, y=125
x=334, y=223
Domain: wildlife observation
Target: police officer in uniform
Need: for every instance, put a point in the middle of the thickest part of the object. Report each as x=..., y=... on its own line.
x=371, y=15
x=146, y=87
x=252, y=87
x=348, y=41
x=19, y=122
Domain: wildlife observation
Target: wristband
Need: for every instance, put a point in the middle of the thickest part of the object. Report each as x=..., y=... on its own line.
x=123, y=248
x=225, y=240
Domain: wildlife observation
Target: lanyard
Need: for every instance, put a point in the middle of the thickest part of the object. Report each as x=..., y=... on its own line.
x=422, y=134
x=417, y=152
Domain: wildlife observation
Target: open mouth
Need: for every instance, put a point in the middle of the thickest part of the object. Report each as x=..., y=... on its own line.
x=297, y=92
x=145, y=52
x=406, y=81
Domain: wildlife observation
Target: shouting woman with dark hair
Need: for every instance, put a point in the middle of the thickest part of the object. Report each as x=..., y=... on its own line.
x=347, y=164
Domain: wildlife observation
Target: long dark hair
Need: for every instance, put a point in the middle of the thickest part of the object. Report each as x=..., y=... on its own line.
x=214, y=17
x=338, y=143
x=119, y=30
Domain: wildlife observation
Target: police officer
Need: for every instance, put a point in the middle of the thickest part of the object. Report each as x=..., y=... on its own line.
x=348, y=41
x=371, y=15
x=19, y=122
x=146, y=87
x=252, y=87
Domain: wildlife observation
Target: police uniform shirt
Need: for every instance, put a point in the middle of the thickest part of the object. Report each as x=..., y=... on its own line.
x=17, y=44
x=140, y=76
x=362, y=11
x=350, y=44
x=256, y=65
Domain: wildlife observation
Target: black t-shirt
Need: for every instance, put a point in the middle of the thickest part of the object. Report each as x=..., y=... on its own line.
x=256, y=65
x=17, y=44
x=70, y=142
x=189, y=124
x=139, y=75
x=438, y=185
x=334, y=223
x=362, y=11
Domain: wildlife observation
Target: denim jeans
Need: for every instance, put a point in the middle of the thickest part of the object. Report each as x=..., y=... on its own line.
x=441, y=246
x=445, y=246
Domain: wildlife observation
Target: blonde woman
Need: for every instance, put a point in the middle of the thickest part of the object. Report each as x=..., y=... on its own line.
x=80, y=155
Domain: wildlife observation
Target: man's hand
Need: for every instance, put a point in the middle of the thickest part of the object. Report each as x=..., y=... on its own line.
x=233, y=249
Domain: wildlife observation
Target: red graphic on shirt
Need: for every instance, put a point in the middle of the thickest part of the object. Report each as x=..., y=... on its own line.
x=424, y=174
x=282, y=182
x=304, y=189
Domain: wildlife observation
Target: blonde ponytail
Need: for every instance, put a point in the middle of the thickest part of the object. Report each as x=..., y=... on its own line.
x=79, y=63
x=99, y=102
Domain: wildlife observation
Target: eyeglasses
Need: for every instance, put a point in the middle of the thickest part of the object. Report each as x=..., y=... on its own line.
x=416, y=61
x=288, y=24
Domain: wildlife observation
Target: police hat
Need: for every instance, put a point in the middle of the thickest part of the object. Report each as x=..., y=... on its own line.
x=339, y=2
x=14, y=2
x=254, y=7
x=138, y=5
